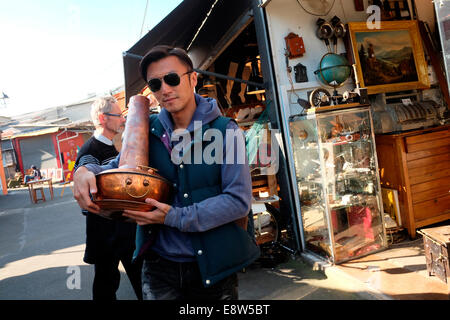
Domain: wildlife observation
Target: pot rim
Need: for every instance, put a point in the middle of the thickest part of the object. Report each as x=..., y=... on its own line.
x=132, y=171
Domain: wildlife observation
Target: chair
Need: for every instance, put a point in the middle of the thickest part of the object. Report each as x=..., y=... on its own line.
x=16, y=182
x=66, y=182
x=34, y=193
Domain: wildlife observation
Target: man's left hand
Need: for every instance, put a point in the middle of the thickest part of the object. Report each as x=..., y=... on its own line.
x=156, y=216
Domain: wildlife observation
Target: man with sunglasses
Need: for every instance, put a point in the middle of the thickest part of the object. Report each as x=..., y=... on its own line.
x=107, y=241
x=194, y=246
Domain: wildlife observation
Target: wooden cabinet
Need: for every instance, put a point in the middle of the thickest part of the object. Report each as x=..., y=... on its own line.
x=417, y=164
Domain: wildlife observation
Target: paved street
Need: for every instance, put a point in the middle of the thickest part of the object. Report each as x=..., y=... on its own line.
x=42, y=245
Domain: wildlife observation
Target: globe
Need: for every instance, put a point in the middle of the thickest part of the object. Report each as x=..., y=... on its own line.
x=333, y=70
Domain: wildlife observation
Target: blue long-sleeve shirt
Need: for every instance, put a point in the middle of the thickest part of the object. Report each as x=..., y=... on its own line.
x=233, y=203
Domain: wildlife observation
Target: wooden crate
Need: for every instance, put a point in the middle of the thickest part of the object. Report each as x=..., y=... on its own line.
x=264, y=183
x=436, y=242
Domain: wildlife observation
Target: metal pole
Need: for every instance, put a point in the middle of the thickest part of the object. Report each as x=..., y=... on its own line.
x=218, y=75
x=276, y=118
x=208, y=73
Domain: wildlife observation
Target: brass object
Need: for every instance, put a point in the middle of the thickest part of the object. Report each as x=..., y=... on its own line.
x=134, y=152
x=128, y=186
x=124, y=188
x=303, y=134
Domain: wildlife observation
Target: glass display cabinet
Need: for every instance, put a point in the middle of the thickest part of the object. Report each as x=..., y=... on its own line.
x=442, y=9
x=338, y=182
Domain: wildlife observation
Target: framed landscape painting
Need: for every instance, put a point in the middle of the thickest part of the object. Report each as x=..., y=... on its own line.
x=390, y=58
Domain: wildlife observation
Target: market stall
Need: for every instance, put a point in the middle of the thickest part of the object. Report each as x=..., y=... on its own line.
x=320, y=89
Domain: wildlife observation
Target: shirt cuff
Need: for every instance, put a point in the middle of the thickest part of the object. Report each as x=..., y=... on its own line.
x=171, y=218
x=93, y=168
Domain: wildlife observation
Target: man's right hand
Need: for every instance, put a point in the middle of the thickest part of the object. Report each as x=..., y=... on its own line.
x=84, y=183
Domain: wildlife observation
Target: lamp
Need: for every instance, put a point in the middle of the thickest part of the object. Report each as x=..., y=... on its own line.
x=208, y=83
x=204, y=92
x=256, y=80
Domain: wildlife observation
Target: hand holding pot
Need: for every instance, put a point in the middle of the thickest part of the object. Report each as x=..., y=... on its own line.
x=153, y=101
x=156, y=216
x=84, y=183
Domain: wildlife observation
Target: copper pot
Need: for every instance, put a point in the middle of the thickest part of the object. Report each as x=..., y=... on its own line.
x=128, y=186
x=123, y=188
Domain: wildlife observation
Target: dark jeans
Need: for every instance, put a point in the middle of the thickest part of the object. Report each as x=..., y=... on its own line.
x=107, y=278
x=167, y=280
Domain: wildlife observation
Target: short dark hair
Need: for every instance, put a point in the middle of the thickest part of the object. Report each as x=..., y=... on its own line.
x=162, y=51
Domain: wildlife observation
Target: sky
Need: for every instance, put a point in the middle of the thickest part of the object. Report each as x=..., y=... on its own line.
x=385, y=40
x=58, y=52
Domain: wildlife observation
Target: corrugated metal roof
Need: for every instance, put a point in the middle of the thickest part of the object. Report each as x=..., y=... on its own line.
x=8, y=133
x=201, y=25
x=35, y=132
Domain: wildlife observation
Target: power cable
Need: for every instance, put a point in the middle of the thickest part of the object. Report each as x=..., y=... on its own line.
x=201, y=26
x=143, y=20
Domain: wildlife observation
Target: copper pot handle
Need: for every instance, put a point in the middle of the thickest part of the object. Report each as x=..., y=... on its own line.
x=148, y=169
x=146, y=184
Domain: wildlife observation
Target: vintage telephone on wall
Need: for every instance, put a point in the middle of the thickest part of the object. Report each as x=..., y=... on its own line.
x=295, y=48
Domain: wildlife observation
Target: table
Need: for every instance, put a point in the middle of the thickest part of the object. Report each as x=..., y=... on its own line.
x=33, y=186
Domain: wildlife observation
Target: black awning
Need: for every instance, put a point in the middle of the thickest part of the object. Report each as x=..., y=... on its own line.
x=203, y=27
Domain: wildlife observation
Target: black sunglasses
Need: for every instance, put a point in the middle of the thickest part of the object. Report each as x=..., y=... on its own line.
x=172, y=79
x=113, y=114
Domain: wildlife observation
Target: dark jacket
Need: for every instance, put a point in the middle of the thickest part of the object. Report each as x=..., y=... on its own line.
x=105, y=239
x=220, y=251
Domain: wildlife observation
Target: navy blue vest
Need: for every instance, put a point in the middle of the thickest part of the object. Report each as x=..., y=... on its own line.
x=221, y=251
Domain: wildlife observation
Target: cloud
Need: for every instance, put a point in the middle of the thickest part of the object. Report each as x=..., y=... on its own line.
x=394, y=40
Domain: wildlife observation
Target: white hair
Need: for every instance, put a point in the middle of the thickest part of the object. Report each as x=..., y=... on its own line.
x=101, y=105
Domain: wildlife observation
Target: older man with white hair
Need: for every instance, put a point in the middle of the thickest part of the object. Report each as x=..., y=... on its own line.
x=107, y=241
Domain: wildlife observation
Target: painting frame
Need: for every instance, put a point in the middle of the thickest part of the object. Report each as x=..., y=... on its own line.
x=418, y=78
